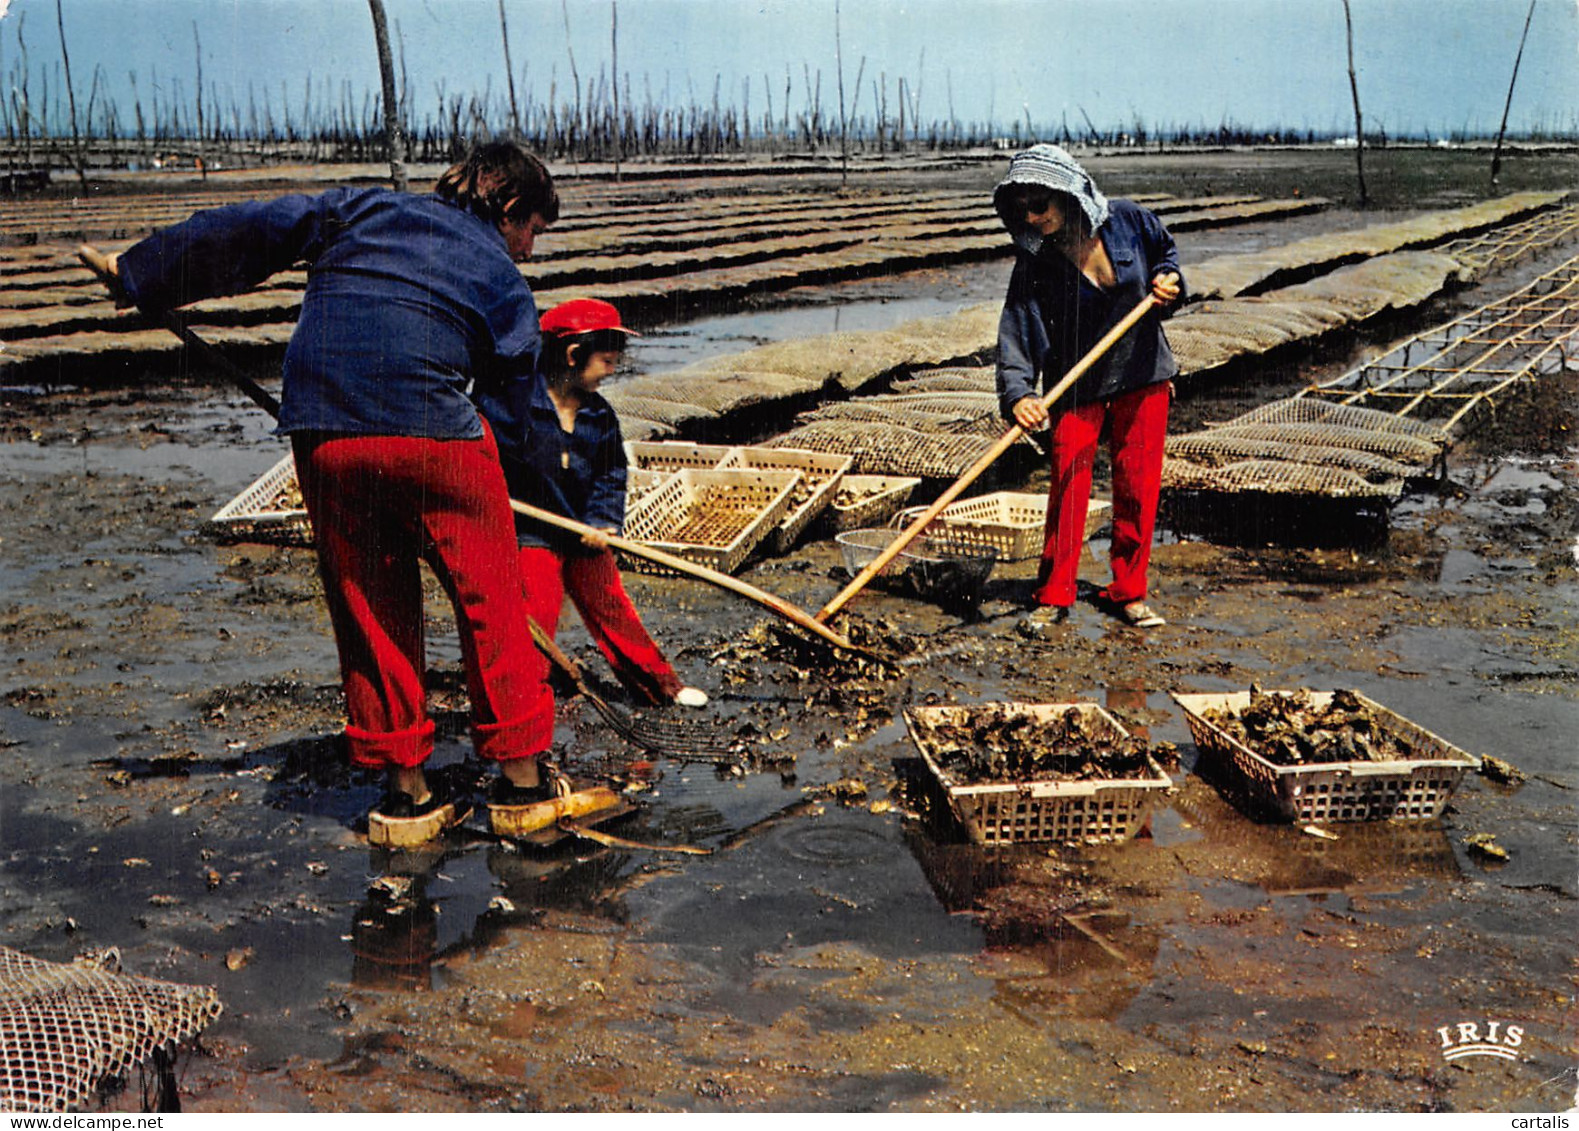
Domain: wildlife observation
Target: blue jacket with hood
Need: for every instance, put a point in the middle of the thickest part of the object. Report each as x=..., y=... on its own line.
x=1053, y=314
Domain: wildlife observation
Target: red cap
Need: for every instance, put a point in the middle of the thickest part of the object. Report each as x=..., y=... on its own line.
x=584, y=316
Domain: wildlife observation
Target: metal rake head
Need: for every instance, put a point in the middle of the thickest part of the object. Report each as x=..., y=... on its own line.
x=695, y=740
x=658, y=736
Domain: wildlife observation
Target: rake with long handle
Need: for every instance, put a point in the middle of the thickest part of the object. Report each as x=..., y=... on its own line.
x=1001, y=445
x=97, y=262
x=734, y=585
x=653, y=735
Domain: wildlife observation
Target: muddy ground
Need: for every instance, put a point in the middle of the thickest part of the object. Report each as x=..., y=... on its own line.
x=173, y=786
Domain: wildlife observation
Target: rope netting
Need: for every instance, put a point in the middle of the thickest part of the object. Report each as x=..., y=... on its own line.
x=1236, y=274
x=976, y=379
x=1211, y=449
x=669, y=413
x=66, y=1027
x=1307, y=410
x=1412, y=450
x=888, y=449
x=1275, y=477
x=639, y=428
x=962, y=421
x=722, y=392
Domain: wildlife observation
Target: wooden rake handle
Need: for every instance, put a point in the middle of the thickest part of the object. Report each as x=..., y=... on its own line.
x=104, y=267
x=723, y=580
x=1001, y=445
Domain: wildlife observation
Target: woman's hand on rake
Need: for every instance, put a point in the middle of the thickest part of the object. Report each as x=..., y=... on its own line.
x=1030, y=413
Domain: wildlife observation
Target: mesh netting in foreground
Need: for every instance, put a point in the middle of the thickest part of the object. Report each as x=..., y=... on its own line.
x=66, y=1027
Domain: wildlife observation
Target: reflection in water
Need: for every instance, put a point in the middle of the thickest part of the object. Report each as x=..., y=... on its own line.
x=1367, y=856
x=1057, y=939
x=567, y=878
x=394, y=935
x=1281, y=859
x=395, y=938
x=1128, y=700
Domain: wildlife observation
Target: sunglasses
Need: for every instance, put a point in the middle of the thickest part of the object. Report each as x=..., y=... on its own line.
x=1035, y=203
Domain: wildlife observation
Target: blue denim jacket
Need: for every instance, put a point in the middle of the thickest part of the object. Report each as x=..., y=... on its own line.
x=1053, y=315
x=578, y=474
x=408, y=299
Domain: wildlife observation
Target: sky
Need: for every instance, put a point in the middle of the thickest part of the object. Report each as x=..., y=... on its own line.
x=1432, y=67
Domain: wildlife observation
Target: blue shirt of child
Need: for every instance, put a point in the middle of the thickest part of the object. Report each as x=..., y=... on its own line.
x=578, y=474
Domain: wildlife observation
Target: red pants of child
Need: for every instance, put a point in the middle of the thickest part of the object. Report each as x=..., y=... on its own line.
x=595, y=588
x=1137, y=424
x=379, y=506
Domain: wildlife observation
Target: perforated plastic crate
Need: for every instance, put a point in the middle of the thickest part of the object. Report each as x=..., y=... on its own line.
x=712, y=517
x=270, y=510
x=821, y=473
x=638, y=483
x=1406, y=790
x=869, y=500
x=1013, y=812
x=1010, y=523
x=672, y=455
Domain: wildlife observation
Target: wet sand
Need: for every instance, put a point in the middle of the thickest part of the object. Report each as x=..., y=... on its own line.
x=173, y=786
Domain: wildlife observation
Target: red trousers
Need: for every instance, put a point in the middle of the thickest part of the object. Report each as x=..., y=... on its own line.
x=594, y=585
x=1137, y=424
x=379, y=506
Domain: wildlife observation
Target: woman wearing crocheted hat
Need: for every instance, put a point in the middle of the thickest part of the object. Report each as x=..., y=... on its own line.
x=1083, y=263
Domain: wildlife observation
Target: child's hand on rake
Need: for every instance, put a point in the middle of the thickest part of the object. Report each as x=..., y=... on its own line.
x=597, y=539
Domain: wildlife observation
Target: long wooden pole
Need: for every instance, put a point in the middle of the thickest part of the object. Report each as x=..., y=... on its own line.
x=394, y=131
x=1354, y=91
x=680, y=565
x=98, y=263
x=1004, y=442
x=1496, y=155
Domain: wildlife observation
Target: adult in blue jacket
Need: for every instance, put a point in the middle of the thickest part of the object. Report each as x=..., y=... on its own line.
x=409, y=299
x=1083, y=262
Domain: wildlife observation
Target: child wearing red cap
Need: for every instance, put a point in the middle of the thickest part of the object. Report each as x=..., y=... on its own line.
x=562, y=450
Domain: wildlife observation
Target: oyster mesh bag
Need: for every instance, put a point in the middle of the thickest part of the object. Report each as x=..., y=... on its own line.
x=883, y=449
x=1214, y=450
x=66, y=1027
x=1309, y=410
x=1274, y=477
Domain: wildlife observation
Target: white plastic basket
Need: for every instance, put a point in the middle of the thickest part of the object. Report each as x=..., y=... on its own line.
x=673, y=455
x=1414, y=789
x=821, y=473
x=1010, y=523
x=269, y=510
x=1091, y=811
x=869, y=500
x=712, y=517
